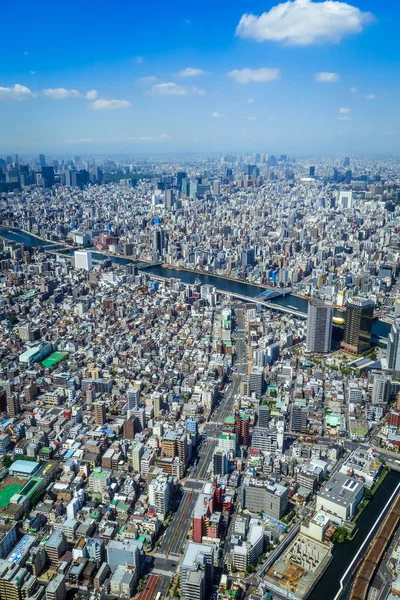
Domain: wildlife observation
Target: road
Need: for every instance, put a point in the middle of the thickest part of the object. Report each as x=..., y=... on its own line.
x=174, y=540
x=175, y=536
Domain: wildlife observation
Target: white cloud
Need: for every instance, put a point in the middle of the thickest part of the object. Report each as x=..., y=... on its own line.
x=61, y=93
x=191, y=72
x=216, y=115
x=110, y=104
x=344, y=118
x=165, y=138
x=370, y=97
x=344, y=111
x=148, y=79
x=353, y=90
x=303, y=22
x=326, y=77
x=26, y=53
x=91, y=95
x=172, y=89
x=16, y=92
x=254, y=75
x=251, y=118
x=32, y=72
x=139, y=60
x=250, y=101
x=168, y=89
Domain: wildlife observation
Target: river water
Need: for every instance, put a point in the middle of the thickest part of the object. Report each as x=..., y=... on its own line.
x=379, y=328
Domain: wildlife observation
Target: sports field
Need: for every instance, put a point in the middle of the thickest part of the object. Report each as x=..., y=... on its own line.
x=8, y=490
x=54, y=358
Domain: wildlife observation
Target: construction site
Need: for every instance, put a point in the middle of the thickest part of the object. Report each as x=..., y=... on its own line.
x=299, y=568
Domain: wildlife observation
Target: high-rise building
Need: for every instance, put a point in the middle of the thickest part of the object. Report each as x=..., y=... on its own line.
x=160, y=490
x=380, y=390
x=312, y=171
x=263, y=495
x=13, y=406
x=263, y=415
x=126, y=552
x=220, y=462
x=393, y=347
x=42, y=160
x=83, y=259
x=197, y=571
x=100, y=416
x=56, y=590
x=137, y=452
x=133, y=399
x=56, y=546
x=242, y=428
x=357, y=333
x=48, y=176
x=298, y=419
x=319, y=327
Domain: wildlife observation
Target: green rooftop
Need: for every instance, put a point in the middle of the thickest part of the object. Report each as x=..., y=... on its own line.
x=230, y=420
x=54, y=359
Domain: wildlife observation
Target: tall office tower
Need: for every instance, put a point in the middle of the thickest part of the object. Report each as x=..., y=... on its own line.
x=312, y=171
x=357, y=332
x=48, y=176
x=13, y=406
x=380, y=390
x=393, y=347
x=160, y=238
x=319, y=327
x=83, y=259
x=42, y=160
x=346, y=162
x=169, y=199
x=99, y=413
x=263, y=415
x=220, y=462
x=298, y=419
x=133, y=400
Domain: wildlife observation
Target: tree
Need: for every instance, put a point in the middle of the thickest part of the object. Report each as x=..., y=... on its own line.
x=234, y=569
x=7, y=461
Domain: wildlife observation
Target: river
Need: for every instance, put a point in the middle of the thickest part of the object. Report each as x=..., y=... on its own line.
x=343, y=554
x=379, y=328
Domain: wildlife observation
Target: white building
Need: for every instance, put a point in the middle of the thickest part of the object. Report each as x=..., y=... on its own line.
x=340, y=497
x=83, y=259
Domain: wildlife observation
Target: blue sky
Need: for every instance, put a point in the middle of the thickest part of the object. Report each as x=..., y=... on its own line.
x=302, y=76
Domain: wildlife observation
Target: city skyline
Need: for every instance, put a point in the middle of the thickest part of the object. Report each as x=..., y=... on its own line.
x=298, y=77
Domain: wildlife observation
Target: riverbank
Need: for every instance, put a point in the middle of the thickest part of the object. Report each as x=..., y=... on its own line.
x=292, y=302
x=233, y=279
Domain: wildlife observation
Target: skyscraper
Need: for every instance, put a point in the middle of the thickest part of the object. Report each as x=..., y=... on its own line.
x=319, y=327
x=100, y=416
x=393, y=347
x=42, y=160
x=357, y=333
